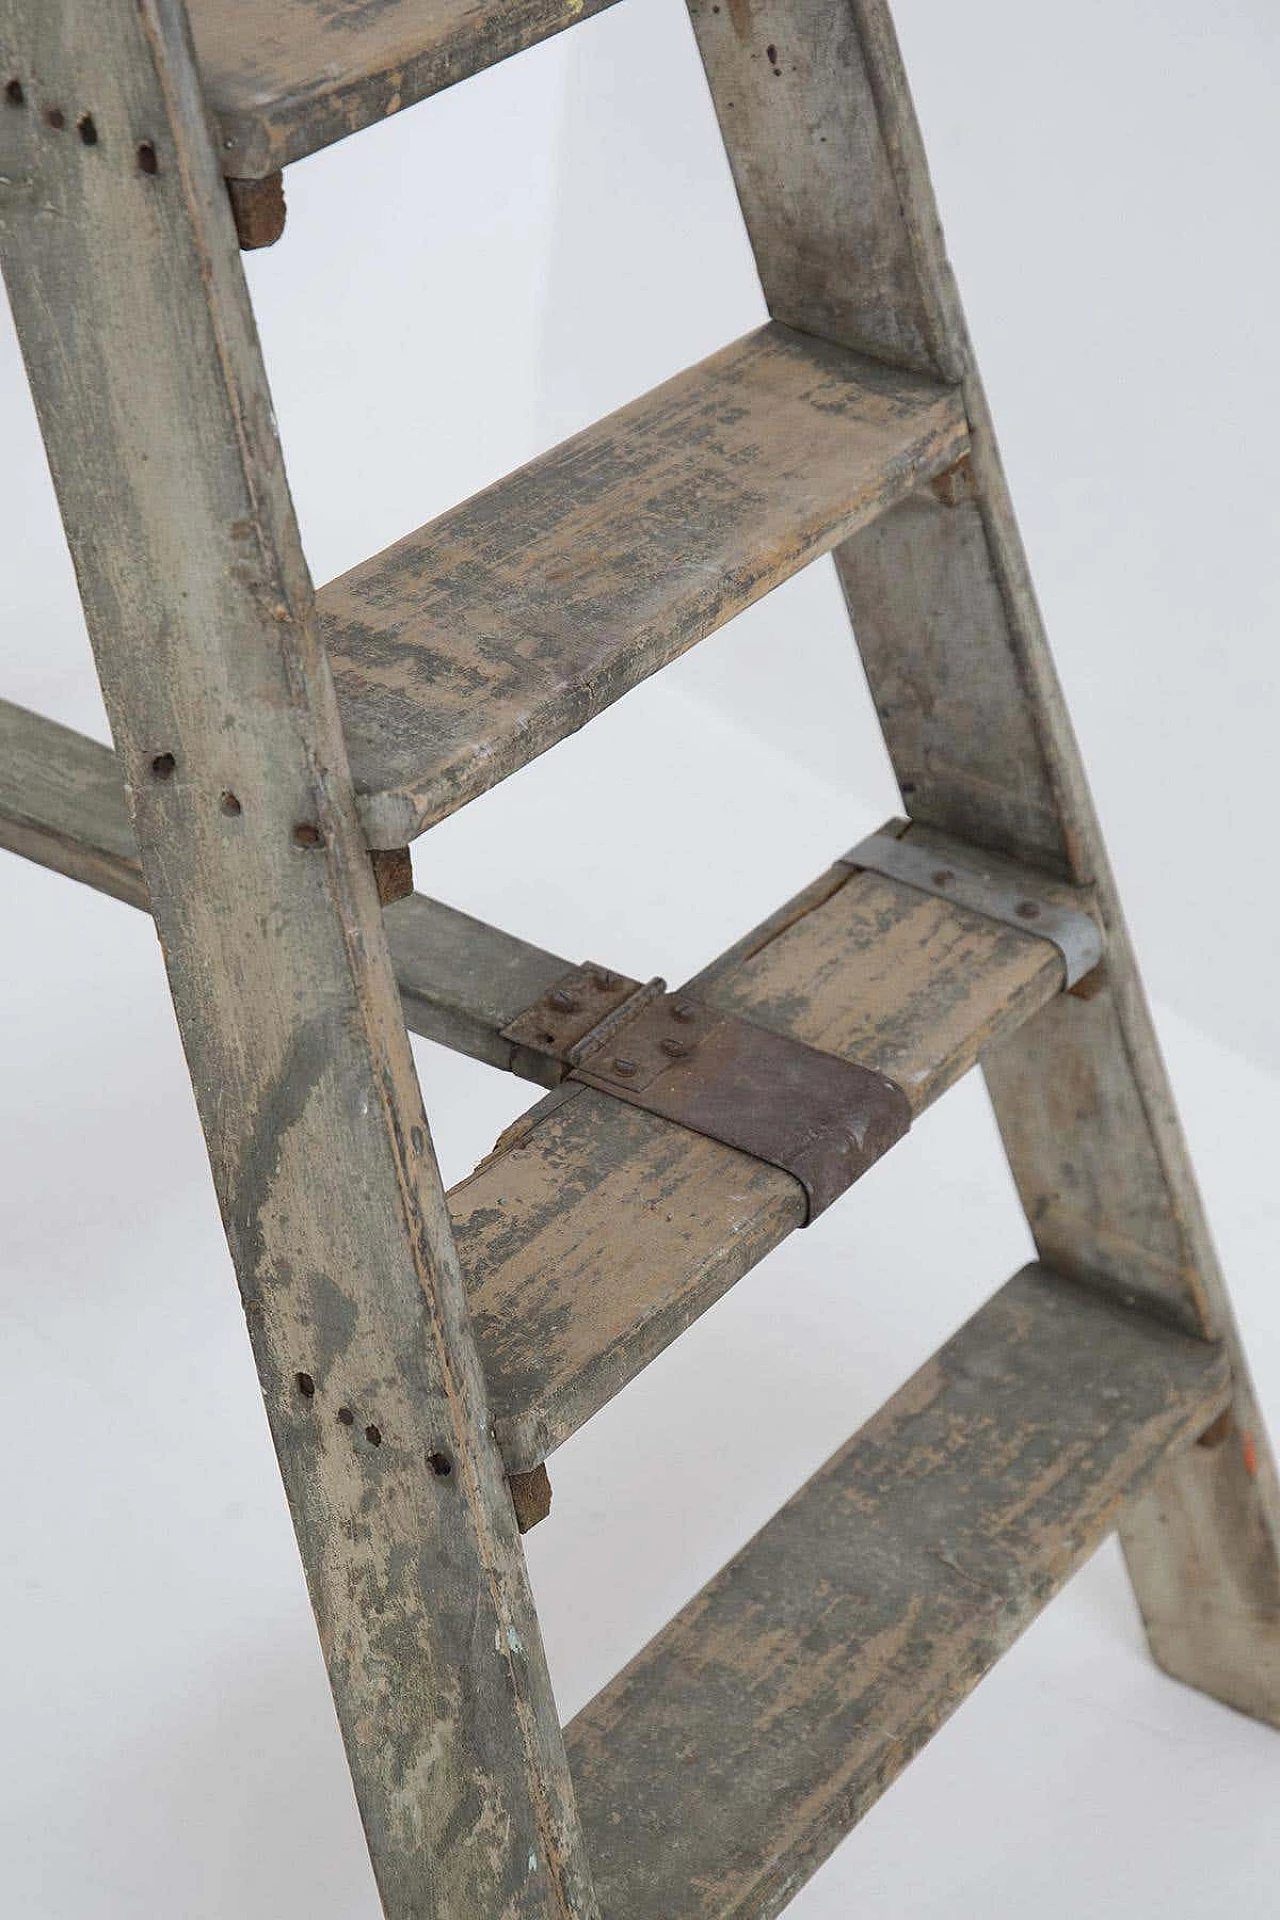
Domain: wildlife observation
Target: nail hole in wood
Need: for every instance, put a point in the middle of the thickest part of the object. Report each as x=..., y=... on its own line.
x=230, y=805
x=87, y=130
x=148, y=159
x=14, y=94
x=307, y=835
x=56, y=119
x=374, y=1436
x=441, y=1465
x=346, y=1416
x=306, y=1386
x=163, y=766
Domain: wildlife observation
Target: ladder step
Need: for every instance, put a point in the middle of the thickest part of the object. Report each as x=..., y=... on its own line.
x=284, y=78
x=599, y=1232
x=476, y=643
x=720, y=1768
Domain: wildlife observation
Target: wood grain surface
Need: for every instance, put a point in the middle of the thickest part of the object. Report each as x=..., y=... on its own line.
x=599, y=1233
x=824, y=144
x=476, y=643
x=284, y=78
x=719, y=1769
x=122, y=265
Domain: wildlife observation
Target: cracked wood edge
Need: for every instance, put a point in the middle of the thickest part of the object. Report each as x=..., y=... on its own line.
x=134, y=319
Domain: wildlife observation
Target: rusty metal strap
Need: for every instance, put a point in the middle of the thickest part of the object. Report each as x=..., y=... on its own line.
x=992, y=890
x=821, y=1119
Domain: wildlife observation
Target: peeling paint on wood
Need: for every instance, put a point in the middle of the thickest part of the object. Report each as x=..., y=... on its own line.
x=284, y=78
x=720, y=1768
x=476, y=643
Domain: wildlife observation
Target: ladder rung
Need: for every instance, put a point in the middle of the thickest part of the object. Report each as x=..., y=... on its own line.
x=473, y=645
x=600, y=1232
x=461, y=981
x=284, y=78
x=720, y=1768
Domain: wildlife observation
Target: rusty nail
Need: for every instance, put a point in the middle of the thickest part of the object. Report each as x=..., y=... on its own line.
x=1028, y=910
x=562, y=1001
x=625, y=1067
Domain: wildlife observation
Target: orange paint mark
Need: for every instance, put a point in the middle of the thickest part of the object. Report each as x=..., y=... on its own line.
x=1249, y=1448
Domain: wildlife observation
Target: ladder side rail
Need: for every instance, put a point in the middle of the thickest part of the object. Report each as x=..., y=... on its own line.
x=121, y=260
x=827, y=156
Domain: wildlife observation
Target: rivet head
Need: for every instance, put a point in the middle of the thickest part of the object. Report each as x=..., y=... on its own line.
x=676, y=1049
x=625, y=1067
x=604, y=981
x=943, y=877
x=562, y=1001
x=683, y=1010
x=1028, y=910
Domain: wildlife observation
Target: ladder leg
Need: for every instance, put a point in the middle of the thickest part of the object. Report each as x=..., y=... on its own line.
x=951, y=637
x=121, y=261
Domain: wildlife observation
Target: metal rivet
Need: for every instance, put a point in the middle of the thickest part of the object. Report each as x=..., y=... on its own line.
x=346, y=1416
x=943, y=877
x=562, y=1001
x=604, y=981
x=677, y=1049
x=625, y=1067
x=683, y=1010
x=1028, y=910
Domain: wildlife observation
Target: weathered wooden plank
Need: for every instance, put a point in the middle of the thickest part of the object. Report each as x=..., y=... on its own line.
x=478, y=642
x=823, y=140
x=284, y=78
x=62, y=804
x=599, y=1233
x=720, y=1768
x=122, y=266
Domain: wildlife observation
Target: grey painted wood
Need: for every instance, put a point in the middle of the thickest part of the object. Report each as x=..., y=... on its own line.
x=719, y=1769
x=481, y=640
x=286, y=77
x=827, y=153
x=122, y=266
x=596, y=1233
x=62, y=804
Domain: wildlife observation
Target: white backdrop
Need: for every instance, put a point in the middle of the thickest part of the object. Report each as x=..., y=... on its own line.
x=457, y=290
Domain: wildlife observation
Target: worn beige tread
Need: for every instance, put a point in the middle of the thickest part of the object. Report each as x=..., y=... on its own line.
x=721, y=1767
x=284, y=78
x=473, y=645
x=600, y=1232
x=461, y=981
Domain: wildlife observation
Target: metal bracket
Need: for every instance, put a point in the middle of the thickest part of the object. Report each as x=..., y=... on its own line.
x=821, y=1119
x=993, y=890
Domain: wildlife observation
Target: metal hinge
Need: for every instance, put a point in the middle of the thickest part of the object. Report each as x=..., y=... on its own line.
x=820, y=1118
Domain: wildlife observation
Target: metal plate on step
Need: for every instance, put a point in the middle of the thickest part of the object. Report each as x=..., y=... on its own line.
x=992, y=889
x=820, y=1118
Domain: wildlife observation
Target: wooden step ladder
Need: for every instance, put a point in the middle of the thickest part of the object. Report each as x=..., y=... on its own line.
x=422, y=1354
